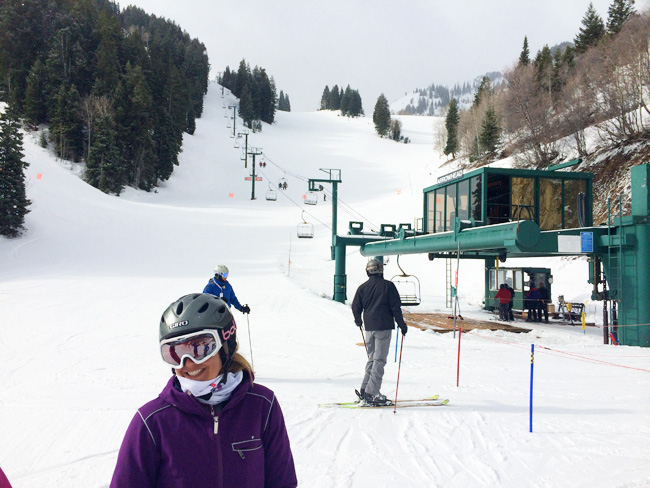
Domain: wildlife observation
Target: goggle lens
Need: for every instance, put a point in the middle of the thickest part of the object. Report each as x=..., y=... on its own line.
x=198, y=347
x=225, y=275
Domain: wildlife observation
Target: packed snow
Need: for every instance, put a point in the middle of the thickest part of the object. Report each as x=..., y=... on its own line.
x=82, y=291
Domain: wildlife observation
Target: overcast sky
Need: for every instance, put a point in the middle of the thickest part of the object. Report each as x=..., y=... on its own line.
x=389, y=46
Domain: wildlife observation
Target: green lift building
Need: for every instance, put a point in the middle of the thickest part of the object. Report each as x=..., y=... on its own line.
x=499, y=213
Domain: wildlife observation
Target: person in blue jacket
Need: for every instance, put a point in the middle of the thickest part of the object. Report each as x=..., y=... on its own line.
x=219, y=287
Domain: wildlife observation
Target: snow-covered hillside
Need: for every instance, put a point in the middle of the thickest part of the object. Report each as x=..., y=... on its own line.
x=433, y=99
x=82, y=291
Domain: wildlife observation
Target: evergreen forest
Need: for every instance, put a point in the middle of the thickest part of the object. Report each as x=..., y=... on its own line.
x=348, y=101
x=117, y=88
x=256, y=92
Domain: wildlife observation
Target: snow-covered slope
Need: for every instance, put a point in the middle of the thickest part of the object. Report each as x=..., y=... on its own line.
x=82, y=291
x=433, y=99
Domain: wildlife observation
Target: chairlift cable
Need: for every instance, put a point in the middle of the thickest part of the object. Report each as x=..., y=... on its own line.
x=350, y=210
x=284, y=194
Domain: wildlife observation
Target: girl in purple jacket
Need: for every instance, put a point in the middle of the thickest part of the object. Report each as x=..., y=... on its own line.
x=211, y=426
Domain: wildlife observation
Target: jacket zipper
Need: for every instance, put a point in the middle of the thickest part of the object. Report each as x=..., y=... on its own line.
x=216, y=420
x=215, y=417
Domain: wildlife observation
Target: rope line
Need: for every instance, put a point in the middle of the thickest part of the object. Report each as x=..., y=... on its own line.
x=597, y=361
x=562, y=354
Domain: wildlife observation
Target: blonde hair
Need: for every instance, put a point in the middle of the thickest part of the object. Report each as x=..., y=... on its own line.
x=240, y=363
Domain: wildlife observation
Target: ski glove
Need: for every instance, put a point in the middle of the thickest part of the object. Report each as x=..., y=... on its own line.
x=404, y=329
x=245, y=309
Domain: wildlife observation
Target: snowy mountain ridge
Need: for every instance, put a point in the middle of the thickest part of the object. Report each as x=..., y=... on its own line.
x=433, y=99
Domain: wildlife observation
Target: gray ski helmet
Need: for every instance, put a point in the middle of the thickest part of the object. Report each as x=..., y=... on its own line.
x=374, y=266
x=197, y=312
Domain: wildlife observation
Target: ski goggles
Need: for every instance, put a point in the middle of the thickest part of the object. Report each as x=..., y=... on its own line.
x=197, y=346
x=224, y=275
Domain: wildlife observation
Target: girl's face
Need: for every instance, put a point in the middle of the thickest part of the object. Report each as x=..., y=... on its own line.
x=200, y=372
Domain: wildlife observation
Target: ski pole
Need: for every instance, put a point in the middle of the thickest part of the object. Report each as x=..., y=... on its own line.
x=363, y=336
x=250, y=344
x=399, y=366
x=532, y=364
x=396, y=342
x=460, y=333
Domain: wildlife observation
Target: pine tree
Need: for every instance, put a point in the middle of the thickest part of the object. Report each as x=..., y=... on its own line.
x=381, y=116
x=335, y=98
x=108, y=67
x=267, y=97
x=355, y=107
x=484, y=90
x=544, y=69
x=243, y=76
x=325, y=99
x=104, y=169
x=558, y=74
x=134, y=122
x=66, y=126
x=13, y=199
x=618, y=13
x=35, y=105
x=592, y=30
x=451, y=123
x=524, y=57
x=246, y=107
x=568, y=58
x=489, y=137
x=346, y=101
x=281, y=101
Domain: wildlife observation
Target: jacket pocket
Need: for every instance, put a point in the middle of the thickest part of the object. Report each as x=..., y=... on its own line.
x=242, y=447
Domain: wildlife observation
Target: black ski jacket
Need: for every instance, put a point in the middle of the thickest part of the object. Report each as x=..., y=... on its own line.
x=380, y=304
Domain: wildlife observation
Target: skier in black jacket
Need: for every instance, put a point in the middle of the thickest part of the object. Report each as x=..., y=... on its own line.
x=378, y=300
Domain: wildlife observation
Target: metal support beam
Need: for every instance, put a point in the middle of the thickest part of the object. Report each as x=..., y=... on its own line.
x=516, y=235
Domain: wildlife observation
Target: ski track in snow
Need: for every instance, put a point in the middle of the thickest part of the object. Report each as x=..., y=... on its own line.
x=82, y=292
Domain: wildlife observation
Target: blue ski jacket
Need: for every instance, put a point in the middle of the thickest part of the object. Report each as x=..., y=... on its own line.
x=223, y=290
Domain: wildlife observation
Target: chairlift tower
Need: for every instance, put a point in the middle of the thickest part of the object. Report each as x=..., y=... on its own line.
x=245, y=135
x=255, y=151
x=334, y=177
x=234, y=118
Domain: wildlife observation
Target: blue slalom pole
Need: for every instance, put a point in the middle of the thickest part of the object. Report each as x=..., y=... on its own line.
x=396, y=342
x=532, y=363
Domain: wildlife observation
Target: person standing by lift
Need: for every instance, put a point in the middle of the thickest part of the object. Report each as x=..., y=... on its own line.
x=511, y=315
x=543, y=303
x=377, y=304
x=534, y=297
x=219, y=287
x=503, y=296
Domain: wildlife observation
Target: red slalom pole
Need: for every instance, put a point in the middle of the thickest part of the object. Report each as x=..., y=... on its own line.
x=460, y=333
x=398, y=370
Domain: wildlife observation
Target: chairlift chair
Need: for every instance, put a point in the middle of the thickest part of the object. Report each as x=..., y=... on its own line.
x=305, y=229
x=311, y=198
x=271, y=194
x=408, y=287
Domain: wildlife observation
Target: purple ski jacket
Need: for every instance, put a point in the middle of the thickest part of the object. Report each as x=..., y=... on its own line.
x=176, y=441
